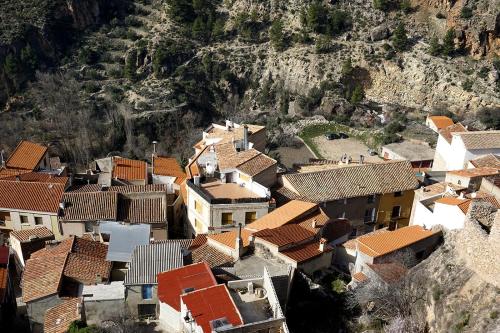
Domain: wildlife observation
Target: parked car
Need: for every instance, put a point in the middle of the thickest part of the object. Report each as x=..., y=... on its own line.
x=332, y=136
x=343, y=136
x=372, y=152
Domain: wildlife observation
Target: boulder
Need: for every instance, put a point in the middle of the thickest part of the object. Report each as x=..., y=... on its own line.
x=379, y=33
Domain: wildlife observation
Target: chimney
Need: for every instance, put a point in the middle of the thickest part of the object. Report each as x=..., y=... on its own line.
x=461, y=196
x=1, y=159
x=154, y=155
x=18, y=178
x=361, y=159
x=322, y=244
x=473, y=195
x=245, y=137
x=314, y=223
x=239, y=243
x=229, y=124
x=197, y=180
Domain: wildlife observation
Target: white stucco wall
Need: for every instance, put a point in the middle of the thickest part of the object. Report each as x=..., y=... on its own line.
x=169, y=318
x=449, y=216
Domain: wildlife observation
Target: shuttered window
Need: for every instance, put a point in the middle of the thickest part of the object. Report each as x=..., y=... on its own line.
x=250, y=217
x=198, y=207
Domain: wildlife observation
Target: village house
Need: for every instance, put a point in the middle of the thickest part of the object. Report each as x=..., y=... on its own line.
x=59, y=318
x=386, y=273
x=437, y=123
x=116, y=170
x=27, y=241
x=26, y=205
x=187, y=296
x=166, y=170
x=485, y=161
x=235, y=134
x=470, y=178
x=27, y=156
x=420, y=155
x=407, y=246
x=85, y=207
x=368, y=195
x=456, y=146
x=227, y=187
x=141, y=284
x=58, y=271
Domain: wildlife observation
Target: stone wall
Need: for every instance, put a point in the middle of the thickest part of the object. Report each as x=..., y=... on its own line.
x=478, y=248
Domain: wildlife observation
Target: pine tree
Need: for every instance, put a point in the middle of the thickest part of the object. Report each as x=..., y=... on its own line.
x=276, y=35
x=357, y=94
x=199, y=29
x=435, y=47
x=449, y=42
x=347, y=67
x=130, y=69
x=400, y=40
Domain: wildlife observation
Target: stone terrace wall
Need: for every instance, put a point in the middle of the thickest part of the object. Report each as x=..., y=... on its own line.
x=476, y=247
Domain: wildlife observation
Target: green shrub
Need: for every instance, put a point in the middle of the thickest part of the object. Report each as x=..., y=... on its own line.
x=276, y=35
x=130, y=69
x=399, y=39
x=494, y=315
x=462, y=323
x=358, y=94
x=466, y=13
x=467, y=85
x=88, y=56
x=338, y=286
x=435, y=48
x=91, y=87
x=489, y=117
x=436, y=293
x=448, y=47
x=483, y=72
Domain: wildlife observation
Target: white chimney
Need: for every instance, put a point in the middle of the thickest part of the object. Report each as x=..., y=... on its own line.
x=473, y=195
x=314, y=223
x=239, y=243
x=1, y=158
x=197, y=180
x=322, y=244
x=245, y=137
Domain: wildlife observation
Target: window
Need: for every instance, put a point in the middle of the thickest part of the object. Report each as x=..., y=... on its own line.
x=369, y=215
x=198, y=207
x=24, y=219
x=227, y=218
x=250, y=217
x=147, y=291
x=38, y=220
x=398, y=194
x=146, y=310
x=89, y=227
x=371, y=199
x=396, y=211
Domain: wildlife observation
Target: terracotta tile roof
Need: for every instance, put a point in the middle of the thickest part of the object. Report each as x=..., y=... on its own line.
x=28, y=196
x=486, y=161
x=142, y=210
x=353, y=181
x=317, y=218
x=285, y=235
x=127, y=169
x=451, y=201
x=336, y=229
x=27, y=156
x=455, y=128
x=59, y=318
x=257, y=165
x=38, y=177
x=305, y=252
x=212, y=256
x=389, y=272
x=125, y=189
x=481, y=139
x=4, y=276
x=86, y=259
x=87, y=269
x=168, y=166
x=25, y=234
x=212, y=303
x=9, y=173
x=229, y=238
x=441, y=121
x=192, y=168
x=198, y=241
x=229, y=158
x=283, y=195
x=359, y=277
x=438, y=188
x=42, y=277
x=379, y=244
x=475, y=172
x=234, y=134
x=283, y=215
x=90, y=206
x=171, y=284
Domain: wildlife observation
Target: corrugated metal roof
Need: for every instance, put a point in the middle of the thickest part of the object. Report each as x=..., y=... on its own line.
x=149, y=260
x=124, y=238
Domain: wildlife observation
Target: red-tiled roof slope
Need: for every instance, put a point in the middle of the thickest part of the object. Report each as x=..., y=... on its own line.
x=283, y=215
x=28, y=196
x=285, y=235
x=42, y=277
x=7, y=173
x=127, y=169
x=212, y=303
x=168, y=166
x=25, y=234
x=455, y=128
x=486, y=161
x=86, y=206
x=212, y=256
x=441, y=121
x=59, y=318
x=26, y=156
x=304, y=252
x=172, y=283
x=38, y=177
x=229, y=238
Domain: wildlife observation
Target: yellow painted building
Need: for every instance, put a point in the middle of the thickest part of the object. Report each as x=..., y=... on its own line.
x=395, y=207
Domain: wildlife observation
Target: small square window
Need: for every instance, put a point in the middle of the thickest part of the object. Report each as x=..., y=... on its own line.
x=24, y=219
x=396, y=211
x=147, y=291
x=38, y=220
x=250, y=217
x=227, y=218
